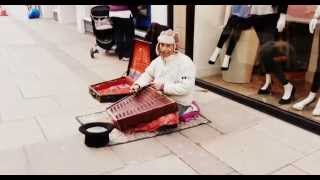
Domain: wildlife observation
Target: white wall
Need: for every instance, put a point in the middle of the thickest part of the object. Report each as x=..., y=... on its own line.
x=179, y=24
x=47, y=11
x=207, y=30
x=18, y=11
x=66, y=14
x=159, y=14
x=80, y=14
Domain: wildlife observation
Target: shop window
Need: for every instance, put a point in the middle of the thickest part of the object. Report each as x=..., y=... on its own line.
x=244, y=78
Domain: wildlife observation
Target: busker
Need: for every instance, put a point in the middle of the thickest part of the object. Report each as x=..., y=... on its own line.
x=173, y=73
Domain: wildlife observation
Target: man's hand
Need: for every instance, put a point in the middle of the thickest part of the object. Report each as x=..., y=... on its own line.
x=157, y=86
x=134, y=88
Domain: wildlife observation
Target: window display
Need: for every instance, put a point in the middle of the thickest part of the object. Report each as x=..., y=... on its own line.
x=237, y=22
x=316, y=79
x=283, y=75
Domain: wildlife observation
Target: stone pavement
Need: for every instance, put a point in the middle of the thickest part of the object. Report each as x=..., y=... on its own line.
x=45, y=70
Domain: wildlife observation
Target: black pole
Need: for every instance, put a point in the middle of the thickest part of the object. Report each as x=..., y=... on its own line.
x=170, y=16
x=189, y=30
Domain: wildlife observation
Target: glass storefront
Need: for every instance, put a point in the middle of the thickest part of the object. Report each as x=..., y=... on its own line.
x=249, y=59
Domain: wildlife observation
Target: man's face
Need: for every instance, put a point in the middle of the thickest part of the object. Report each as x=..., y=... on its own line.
x=166, y=50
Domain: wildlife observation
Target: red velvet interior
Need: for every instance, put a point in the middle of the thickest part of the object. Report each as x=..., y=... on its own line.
x=116, y=86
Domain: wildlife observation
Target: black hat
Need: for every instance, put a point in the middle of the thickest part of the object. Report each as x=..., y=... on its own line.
x=96, y=139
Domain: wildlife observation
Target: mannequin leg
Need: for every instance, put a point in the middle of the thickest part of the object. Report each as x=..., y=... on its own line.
x=225, y=63
x=264, y=36
x=223, y=38
x=312, y=95
x=235, y=35
x=316, y=110
x=267, y=82
x=265, y=55
x=315, y=87
x=306, y=101
x=289, y=89
x=265, y=27
x=214, y=56
x=268, y=52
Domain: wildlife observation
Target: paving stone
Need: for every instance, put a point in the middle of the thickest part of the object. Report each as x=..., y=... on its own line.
x=196, y=157
x=252, y=152
x=140, y=151
x=290, y=135
x=289, y=170
x=13, y=162
x=168, y=165
x=19, y=133
x=71, y=156
x=310, y=164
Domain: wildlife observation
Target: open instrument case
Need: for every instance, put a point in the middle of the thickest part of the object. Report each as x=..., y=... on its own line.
x=113, y=90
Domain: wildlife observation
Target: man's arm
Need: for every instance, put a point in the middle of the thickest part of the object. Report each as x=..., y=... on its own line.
x=185, y=83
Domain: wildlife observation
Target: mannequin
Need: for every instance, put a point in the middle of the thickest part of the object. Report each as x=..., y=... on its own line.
x=237, y=22
x=272, y=54
x=267, y=20
x=316, y=80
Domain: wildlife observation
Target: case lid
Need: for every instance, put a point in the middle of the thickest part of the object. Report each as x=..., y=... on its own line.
x=140, y=58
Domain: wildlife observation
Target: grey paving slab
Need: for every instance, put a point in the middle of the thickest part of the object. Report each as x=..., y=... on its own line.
x=252, y=152
x=203, y=96
x=201, y=134
x=70, y=156
x=228, y=116
x=19, y=133
x=28, y=108
x=80, y=99
x=168, y=165
x=234, y=173
x=290, y=135
x=62, y=124
x=310, y=164
x=140, y=151
x=290, y=170
x=13, y=162
x=196, y=157
x=12, y=34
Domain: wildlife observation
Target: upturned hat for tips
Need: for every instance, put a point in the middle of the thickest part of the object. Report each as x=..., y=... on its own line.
x=168, y=37
x=99, y=138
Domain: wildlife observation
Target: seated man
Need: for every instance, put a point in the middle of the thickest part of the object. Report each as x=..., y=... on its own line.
x=173, y=73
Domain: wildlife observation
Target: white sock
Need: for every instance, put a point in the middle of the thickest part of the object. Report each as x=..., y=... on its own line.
x=316, y=110
x=267, y=83
x=287, y=91
x=225, y=62
x=300, y=105
x=215, y=54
